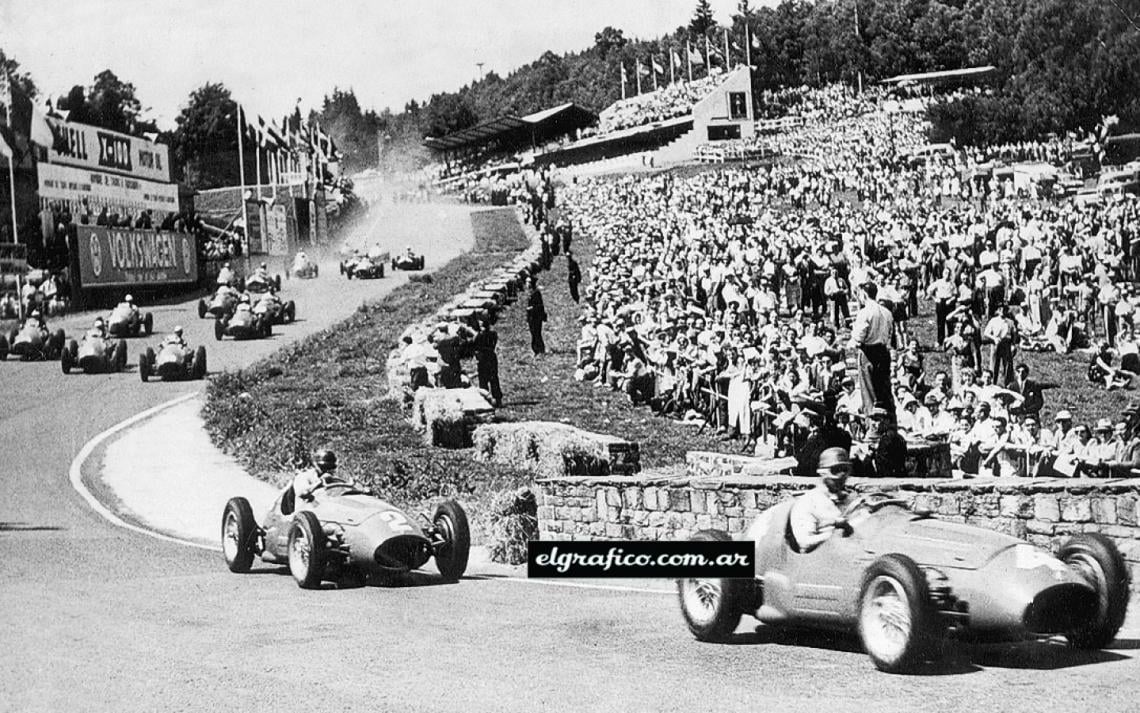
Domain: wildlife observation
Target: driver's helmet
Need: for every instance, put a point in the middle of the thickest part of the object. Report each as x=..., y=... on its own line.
x=178, y=331
x=128, y=299
x=35, y=314
x=324, y=460
x=835, y=463
x=226, y=266
x=98, y=323
x=244, y=299
x=264, y=266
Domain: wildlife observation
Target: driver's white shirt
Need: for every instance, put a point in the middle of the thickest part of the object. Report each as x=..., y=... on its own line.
x=809, y=512
x=305, y=482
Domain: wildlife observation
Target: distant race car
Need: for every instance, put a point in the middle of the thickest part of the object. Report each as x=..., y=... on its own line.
x=345, y=533
x=94, y=355
x=171, y=361
x=262, y=283
x=408, y=261
x=266, y=302
x=221, y=305
x=244, y=323
x=303, y=270
x=31, y=342
x=126, y=321
x=363, y=268
x=903, y=581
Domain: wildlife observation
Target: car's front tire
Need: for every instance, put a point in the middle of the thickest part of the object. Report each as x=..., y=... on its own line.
x=450, y=521
x=897, y=623
x=712, y=607
x=307, y=552
x=1096, y=558
x=239, y=535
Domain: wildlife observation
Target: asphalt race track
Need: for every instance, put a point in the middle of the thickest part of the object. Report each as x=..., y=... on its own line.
x=97, y=618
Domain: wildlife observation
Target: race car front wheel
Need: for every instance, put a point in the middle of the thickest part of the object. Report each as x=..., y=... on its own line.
x=1099, y=562
x=239, y=535
x=897, y=624
x=712, y=607
x=307, y=553
x=451, y=556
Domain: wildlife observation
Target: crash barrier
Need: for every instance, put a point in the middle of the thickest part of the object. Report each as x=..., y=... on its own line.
x=648, y=507
x=448, y=417
x=555, y=449
x=415, y=361
x=924, y=459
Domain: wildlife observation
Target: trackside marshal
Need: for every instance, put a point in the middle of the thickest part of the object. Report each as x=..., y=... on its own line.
x=110, y=257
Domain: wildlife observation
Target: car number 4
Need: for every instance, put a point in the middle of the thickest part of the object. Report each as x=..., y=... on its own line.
x=397, y=521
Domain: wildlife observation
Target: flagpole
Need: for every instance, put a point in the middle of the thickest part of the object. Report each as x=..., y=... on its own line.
x=747, y=44
x=689, y=58
x=241, y=166
x=623, y=80
x=672, y=66
x=653, y=68
x=637, y=74
x=708, y=58
x=727, y=56
x=274, y=172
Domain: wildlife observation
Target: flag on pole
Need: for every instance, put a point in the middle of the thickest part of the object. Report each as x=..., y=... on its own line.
x=642, y=69
x=623, y=80
x=40, y=131
x=5, y=149
x=695, y=57
x=676, y=60
x=657, y=67
x=755, y=42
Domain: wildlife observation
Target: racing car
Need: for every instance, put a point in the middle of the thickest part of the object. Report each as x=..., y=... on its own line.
x=96, y=354
x=266, y=302
x=904, y=581
x=303, y=267
x=127, y=321
x=345, y=532
x=221, y=305
x=408, y=261
x=172, y=362
x=32, y=342
x=363, y=267
x=258, y=282
x=244, y=323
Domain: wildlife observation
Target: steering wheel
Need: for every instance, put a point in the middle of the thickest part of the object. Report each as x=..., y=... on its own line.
x=874, y=501
x=349, y=488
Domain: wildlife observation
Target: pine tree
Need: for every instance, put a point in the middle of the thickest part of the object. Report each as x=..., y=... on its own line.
x=702, y=20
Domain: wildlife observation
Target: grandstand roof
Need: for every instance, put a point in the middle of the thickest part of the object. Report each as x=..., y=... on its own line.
x=569, y=116
x=932, y=77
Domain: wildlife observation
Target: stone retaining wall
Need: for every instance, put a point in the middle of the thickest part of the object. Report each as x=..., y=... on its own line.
x=924, y=459
x=1043, y=511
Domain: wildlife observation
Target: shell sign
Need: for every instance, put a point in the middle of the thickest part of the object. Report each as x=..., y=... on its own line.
x=111, y=257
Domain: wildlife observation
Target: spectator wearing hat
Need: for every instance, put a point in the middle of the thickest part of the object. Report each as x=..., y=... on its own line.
x=822, y=434
x=487, y=361
x=999, y=454
x=913, y=417
x=871, y=337
x=888, y=456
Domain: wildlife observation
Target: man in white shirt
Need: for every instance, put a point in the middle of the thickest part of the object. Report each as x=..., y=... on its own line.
x=1000, y=332
x=871, y=336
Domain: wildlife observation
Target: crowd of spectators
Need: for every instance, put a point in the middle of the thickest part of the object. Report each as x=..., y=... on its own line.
x=668, y=102
x=724, y=299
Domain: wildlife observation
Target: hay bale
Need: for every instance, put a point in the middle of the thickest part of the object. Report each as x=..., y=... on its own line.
x=447, y=417
x=554, y=449
x=513, y=521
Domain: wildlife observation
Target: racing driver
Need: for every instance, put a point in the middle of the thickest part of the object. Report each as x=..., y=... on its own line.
x=817, y=513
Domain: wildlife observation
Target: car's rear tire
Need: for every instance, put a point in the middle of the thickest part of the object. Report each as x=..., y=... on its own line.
x=120, y=355
x=219, y=330
x=267, y=327
x=144, y=365
x=316, y=270
x=307, y=552
x=1097, y=559
x=898, y=625
x=3, y=347
x=67, y=358
x=712, y=607
x=239, y=535
x=201, y=309
x=198, y=366
x=341, y=266
x=290, y=311
x=451, y=557
x=148, y=324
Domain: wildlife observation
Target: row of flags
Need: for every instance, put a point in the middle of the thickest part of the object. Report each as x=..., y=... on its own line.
x=652, y=67
x=292, y=137
x=21, y=115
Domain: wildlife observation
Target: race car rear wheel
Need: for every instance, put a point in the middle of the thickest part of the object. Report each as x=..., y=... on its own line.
x=201, y=309
x=239, y=535
x=148, y=323
x=290, y=311
x=120, y=355
x=897, y=624
x=712, y=607
x=307, y=554
x=1097, y=560
x=219, y=330
x=198, y=366
x=67, y=358
x=56, y=344
x=451, y=556
x=3, y=347
x=144, y=364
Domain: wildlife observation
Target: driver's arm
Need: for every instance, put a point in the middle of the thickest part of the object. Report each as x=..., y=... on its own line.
x=305, y=483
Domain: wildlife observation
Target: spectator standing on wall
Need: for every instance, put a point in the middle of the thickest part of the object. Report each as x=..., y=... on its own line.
x=535, y=316
x=871, y=335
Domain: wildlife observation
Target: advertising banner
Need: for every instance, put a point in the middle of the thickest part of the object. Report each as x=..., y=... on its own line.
x=117, y=193
x=114, y=257
x=102, y=150
x=254, y=229
x=277, y=231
